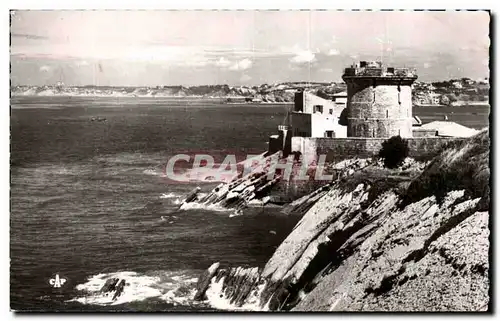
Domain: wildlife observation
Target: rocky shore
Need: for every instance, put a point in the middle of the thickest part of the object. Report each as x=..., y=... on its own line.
x=414, y=238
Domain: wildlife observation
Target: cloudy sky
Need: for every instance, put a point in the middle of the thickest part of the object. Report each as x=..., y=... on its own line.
x=149, y=48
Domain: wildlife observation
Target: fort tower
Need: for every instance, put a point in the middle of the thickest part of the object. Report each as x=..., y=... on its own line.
x=378, y=100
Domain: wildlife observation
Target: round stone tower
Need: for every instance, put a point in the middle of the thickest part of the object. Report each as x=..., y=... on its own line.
x=378, y=100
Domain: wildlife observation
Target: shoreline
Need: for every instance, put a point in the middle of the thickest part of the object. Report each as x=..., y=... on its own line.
x=224, y=98
x=262, y=103
x=472, y=103
x=365, y=243
x=116, y=96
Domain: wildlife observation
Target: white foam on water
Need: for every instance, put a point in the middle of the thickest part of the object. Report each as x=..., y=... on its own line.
x=174, y=198
x=153, y=172
x=236, y=213
x=217, y=299
x=184, y=293
x=201, y=206
x=209, y=175
x=170, y=195
x=137, y=288
x=173, y=287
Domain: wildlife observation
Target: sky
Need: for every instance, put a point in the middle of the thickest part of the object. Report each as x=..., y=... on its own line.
x=155, y=48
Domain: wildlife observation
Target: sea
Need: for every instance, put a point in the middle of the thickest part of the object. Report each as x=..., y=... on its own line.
x=89, y=198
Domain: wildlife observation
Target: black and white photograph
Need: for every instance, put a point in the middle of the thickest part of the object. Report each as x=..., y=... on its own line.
x=250, y=160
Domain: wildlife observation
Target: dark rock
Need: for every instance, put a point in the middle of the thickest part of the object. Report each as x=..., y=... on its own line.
x=192, y=195
x=204, y=282
x=119, y=289
x=109, y=286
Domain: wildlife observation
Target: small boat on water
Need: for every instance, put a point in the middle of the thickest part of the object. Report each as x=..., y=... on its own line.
x=99, y=119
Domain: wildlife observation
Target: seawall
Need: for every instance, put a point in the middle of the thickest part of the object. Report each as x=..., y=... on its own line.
x=337, y=149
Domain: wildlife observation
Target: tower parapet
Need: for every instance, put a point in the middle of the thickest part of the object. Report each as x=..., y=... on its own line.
x=379, y=100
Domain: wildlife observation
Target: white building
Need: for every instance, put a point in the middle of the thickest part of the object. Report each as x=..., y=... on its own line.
x=313, y=116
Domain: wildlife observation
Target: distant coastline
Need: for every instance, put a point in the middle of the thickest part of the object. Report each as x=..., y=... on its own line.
x=456, y=104
x=262, y=103
x=458, y=92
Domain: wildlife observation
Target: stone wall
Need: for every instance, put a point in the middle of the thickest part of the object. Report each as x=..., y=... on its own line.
x=379, y=108
x=286, y=191
x=422, y=132
x=337, y=149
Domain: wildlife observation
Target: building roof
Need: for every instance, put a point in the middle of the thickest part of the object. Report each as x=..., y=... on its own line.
x=378, y=70
x=451, y=129
x=340, y=94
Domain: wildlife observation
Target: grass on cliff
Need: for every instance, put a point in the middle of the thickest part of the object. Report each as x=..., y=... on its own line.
x=380, y=180
x=461, y=165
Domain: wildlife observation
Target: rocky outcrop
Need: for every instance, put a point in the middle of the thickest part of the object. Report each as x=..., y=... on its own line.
x=238, y=193
x=399, y=267
x=256, y=186
x=204, y=281
x=113, y=286
x=379, y=240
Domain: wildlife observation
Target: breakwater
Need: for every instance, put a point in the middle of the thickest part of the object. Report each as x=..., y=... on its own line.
x=343, y=148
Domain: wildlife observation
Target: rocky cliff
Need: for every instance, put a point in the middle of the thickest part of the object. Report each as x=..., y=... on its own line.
x=409, y=239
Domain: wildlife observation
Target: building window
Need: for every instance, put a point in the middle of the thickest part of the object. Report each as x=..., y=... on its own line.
x=329, y=134
x=331, y=111
x=387, y=113
x=318, y=108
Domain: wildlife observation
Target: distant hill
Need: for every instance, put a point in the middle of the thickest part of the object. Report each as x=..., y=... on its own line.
x=283, y=92
x=455, y=91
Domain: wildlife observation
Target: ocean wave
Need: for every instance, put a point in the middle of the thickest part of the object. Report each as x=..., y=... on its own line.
x=236, y=213
x=219, y=301
x=170, y=195
x=175, y=287
x=174, y=198
x=153, y=172
x=207, y=175
x=202, y=206
x=59, y=170
x=128, y=159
